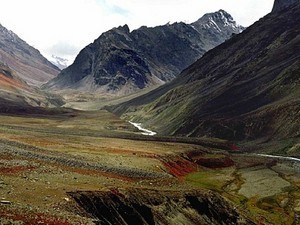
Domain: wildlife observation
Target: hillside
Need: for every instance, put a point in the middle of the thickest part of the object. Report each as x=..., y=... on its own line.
x=281, y=5
x=121, y=61
x=16, y=96
x=244, y=89
x=26, y=61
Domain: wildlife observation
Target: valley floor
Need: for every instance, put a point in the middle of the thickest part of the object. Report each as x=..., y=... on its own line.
x=51, y=165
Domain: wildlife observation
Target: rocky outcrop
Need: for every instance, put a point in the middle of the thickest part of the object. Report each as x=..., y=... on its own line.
x=150, y=207
x=283, y=4
x=26, y=61
x=121, y=61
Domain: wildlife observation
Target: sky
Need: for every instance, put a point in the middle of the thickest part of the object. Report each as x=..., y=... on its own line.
x=63, y=27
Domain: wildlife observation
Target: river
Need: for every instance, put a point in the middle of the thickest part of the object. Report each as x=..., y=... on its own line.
x=144, y=131
x=280, y=157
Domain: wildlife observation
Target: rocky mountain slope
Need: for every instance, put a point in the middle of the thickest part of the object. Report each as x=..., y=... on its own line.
x=25, y=60
x=281, y=5
x=17, y=96
x=245, y=89
x=121, y=61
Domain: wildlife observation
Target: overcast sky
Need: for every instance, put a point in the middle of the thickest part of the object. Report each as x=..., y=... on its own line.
x=64, y=27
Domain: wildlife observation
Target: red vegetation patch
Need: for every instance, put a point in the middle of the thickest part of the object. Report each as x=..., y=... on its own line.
x=7, y=157
x=33, y=218
x=234, y=147
x=15, y=169
x=215, y=163
x=179, y=167
x=11, y=83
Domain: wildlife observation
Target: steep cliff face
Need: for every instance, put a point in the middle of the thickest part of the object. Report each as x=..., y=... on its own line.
x=282, y=4
x=149, y=207
x=121, y=61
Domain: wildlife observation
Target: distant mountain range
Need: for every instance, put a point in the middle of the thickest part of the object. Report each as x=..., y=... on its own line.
x=26, y=61
x=248, y=88
x=122, y=62
x=60, y=62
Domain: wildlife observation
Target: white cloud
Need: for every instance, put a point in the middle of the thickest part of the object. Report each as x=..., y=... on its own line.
x=62, y=48
x=48, y=24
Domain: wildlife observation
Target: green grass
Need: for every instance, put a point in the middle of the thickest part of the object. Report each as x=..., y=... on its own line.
x=211, y=179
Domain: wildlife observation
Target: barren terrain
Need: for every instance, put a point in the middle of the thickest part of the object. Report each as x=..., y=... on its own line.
x=46, y=160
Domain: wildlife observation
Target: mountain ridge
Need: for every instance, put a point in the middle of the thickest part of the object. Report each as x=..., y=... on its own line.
x=124, y=61
x=26, y=61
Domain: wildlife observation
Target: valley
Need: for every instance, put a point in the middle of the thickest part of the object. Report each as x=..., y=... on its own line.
x=176, y=124
x=50, y=163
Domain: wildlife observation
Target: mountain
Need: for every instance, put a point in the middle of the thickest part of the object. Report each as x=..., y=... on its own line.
x=245, y=89
x=25, y=60
x=216, y=28
x=61, y=63
x=281, y=5
x=121, y=61
x=17, y=96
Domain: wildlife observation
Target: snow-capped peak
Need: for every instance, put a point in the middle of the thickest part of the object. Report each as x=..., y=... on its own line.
x=61, y=63
x=219, y=21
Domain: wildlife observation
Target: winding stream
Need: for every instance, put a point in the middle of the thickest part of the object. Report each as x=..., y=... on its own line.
x=144, y=131
x=152, y=133
x=280, y=157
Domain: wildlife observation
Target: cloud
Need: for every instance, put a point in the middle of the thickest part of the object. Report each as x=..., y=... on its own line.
x=112, y=8
x=119, y=10
x=44, y=23
x=62, y=49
